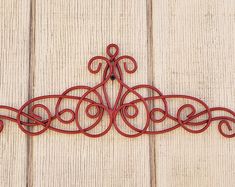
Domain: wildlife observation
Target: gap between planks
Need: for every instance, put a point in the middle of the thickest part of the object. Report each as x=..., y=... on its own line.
x=150, y=77
x=32, y=23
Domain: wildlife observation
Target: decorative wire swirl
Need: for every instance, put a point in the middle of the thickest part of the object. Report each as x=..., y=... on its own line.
x=112, y=67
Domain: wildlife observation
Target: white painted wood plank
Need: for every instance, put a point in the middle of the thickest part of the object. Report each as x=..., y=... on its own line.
x=14, y=55
x=194, y=54
x=68, y=34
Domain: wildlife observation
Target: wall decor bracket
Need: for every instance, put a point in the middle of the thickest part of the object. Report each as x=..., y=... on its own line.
x=133, y=111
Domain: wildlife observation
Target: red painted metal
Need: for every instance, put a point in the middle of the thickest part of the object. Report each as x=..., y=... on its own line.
x=112, y=68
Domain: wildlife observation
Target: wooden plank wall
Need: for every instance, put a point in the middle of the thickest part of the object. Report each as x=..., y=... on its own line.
x=194, y=51
x=14, y=71
x=184, y=47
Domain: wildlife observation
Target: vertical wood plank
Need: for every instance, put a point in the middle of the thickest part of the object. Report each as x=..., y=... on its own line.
x=68, y=34
x=14, y=54
x=193, y=45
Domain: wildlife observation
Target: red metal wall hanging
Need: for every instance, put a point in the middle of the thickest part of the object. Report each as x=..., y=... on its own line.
x=35, y=117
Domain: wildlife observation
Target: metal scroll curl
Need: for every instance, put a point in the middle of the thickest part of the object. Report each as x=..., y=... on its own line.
x=90, y=111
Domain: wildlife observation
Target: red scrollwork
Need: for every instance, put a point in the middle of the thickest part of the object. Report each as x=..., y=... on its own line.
x=93, y=103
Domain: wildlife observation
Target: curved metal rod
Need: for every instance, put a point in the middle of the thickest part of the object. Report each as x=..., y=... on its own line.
x=87, y=117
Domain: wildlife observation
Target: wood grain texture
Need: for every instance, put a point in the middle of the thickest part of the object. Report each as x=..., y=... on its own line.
x=182, y=47
x=194, y=54
x=67, y=35
x=14, y=65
